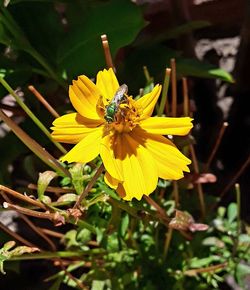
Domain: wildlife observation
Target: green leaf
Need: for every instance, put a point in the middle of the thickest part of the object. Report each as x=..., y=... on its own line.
x=77, y=177
x=43, y=182
x=124, y=225
x=196, y=68
x=185, y=28
x=242, y=270
x=232, y=212
x=98, y=285
x=81, y=51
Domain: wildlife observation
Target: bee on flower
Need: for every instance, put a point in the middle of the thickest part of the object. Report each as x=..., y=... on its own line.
x=130, y=142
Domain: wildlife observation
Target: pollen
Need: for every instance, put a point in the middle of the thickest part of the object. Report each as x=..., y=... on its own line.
x=127, y=117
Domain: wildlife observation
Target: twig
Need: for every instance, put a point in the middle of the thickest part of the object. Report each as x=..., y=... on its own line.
x=40, y=98
x=31, y=114
x=146, y=74
x=206, y=270
x=173, y=87
x=52, y=233
x=107, y=53
x=70, y=276
x=39, y=232
x=32, y=226
x=33, y=145
x=185, y=97
x=164, y=97
x=16, y=236
x=56, y=190
x=89, y=186
x=216, y=146
x=22, y=197
x=198, y=185
x=167, y=242
x=26, y=211
x=160, y=210
x=235, y=178
x=176, y=194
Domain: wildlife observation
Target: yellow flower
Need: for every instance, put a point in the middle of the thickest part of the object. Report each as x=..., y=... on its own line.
x=131, y=145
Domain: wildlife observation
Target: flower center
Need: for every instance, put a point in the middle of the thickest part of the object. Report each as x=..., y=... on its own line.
x=126, y=116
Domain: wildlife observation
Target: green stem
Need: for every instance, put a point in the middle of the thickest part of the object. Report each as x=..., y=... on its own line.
x=24, y=43
x=52, y=255
x=47, y=67
x=34, y=146
x=164, y=97
x=31, y=115
x=238, y=194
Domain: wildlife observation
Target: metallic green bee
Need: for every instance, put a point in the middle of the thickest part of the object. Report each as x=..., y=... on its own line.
x=114, y=104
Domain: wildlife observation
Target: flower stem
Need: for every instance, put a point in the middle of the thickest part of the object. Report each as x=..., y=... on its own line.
x=89, y=186
x=41, y=99
x=31, y=115
x=34, y=146
x=216, y=146
x=22, y=197
x=107, y=53
x=185, y=97
x=173, y=87
x=238, y=194
x=164, y=97
x=198, y=185
x=16, y=236
x=168, y=239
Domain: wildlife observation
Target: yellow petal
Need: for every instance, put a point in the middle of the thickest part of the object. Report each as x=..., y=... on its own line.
x=136, y=165
x=107, y=83
x=87, y=149
x=114, y=183
x=167, y=126
x=108, y=154
x=148, y=101
x=72, y=128
x=111, y=182
x=84, y=96
x=169, y=160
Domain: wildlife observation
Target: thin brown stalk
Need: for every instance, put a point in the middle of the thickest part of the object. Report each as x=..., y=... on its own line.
x=198, y=185
x=89, y=186
x=168, y=239
x=235, y=178
x=216, y=146
x=70, y=276
x=22, y=197
x=39, y=232
x=33, y=145
x=107, y=53
x=206, y=270
x=176, y=194
x=41, y=99
x=52, y=233
x=53, y=189
x=161, y=212
x=32, y=226
x=16, y=236
x=173, y=87
x=26, y=211
x=185, y=97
